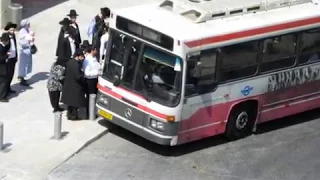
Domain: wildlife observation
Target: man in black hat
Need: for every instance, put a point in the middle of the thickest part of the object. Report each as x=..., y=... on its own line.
x=85, y=44
x=65, y=23
x=73, y=18
x=68, y=47
x=10, y=28
x=4, y=41
x=73, y=91
x=99, y=27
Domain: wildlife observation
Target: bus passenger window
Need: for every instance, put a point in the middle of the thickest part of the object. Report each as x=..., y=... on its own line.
x=239, y=60
x=310, y=46
x=278, y=52
x=201, y=72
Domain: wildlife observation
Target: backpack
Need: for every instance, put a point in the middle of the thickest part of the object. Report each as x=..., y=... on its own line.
x=91, y=28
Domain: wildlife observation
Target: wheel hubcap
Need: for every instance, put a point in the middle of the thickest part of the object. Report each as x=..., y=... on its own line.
x=242, y=120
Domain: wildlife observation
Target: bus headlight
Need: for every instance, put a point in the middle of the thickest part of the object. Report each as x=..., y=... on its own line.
x=157, y=125
x=103, y=100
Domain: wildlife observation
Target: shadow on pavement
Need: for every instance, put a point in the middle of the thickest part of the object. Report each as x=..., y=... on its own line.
x=32, y=7
x=41, y=76
x=207, y=142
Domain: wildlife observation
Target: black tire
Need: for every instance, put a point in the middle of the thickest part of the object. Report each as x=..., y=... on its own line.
x=240, y=122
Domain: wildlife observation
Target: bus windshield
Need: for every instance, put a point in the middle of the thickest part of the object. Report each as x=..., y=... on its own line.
x=144, y=69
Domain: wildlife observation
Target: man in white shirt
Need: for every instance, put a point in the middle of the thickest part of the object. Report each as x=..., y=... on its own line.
x=91, y=68
x=73, y=18
x=68, y=46
x=13, y=55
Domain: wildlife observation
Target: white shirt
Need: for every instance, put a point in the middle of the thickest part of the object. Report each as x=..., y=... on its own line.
x=103, y=44
x=13, y=49
x=91, y=67
x=72, y=46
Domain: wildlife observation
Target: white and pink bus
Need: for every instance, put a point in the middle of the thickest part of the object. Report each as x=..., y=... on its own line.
x=179, y=71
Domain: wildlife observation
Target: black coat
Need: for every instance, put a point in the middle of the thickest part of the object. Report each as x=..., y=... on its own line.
x=3, y=60
x=98, y=29
x=73, y=92
x=60, y=40
x=64, y=50
x=9, y=45
x=77, y=39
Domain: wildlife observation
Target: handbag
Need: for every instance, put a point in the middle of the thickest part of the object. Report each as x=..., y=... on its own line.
x=34, y=49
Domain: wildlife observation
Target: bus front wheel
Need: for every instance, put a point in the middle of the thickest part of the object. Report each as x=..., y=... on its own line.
x=241, y=121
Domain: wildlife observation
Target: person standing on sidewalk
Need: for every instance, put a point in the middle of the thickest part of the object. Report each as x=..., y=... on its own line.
x=65, y=23
x=26, y=41
x=13, y=57
x=68, y=46
x=73, y=92
x=4, y=41
x=91, y=68
x=55, y=82
x=100, y=23
x=73, y=18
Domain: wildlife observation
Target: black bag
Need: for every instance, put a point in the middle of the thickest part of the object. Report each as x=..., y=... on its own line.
x=34, y=49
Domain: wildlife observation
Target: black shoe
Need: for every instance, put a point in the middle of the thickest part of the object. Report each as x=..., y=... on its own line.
x=24, y=83
x=11, y=91
x=58, y=110
x=74, y=118
x=4, y=100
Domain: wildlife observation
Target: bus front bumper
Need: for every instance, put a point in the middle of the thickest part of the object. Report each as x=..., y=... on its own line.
x=139, y=130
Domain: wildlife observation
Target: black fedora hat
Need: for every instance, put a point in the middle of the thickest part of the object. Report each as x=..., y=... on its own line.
x=73, y=13
x=65, y=21
x=78, y=52
x=10, y=25
x=105, y=11
x=5, y=37
x=85, y=44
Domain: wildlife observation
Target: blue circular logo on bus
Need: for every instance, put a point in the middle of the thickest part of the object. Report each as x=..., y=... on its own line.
x=246, y=90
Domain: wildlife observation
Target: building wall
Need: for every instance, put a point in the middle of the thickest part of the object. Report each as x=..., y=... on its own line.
x=4, y=12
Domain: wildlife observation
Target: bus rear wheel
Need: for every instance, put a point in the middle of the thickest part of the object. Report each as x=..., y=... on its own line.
x=240, y=122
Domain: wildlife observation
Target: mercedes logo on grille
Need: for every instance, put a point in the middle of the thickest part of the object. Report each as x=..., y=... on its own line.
x=128, y=113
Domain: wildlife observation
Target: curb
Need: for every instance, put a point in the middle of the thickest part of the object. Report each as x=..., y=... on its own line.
x=90, y=141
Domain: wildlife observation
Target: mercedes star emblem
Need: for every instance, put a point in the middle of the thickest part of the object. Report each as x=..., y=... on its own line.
x=128, y=113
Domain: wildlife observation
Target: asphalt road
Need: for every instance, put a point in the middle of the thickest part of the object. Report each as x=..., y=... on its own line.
x=284, y=150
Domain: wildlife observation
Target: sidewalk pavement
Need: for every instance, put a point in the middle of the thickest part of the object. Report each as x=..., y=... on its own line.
x=28, y=118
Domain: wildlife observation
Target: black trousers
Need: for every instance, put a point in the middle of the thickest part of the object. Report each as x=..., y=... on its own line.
x=3, y=87
x=91, y=88
x=54, y=99
x=72, y=112
x=11, y=64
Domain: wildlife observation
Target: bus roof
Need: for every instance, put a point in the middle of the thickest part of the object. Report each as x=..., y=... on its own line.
x=228, y=20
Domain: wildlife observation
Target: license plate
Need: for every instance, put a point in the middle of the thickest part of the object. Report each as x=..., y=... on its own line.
x=105, y=114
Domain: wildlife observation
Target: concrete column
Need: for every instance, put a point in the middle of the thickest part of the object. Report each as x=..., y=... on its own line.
x=92, y=106
x=1, y=136
x=4, y=12
x=57, y=125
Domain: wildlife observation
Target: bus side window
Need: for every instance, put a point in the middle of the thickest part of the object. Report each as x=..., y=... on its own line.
x=201, y=72
x=310, y=46
x=238, y=61
x=278, y=52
